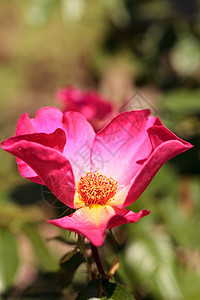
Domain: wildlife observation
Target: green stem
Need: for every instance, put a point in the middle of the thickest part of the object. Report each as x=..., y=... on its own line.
x=97, y=260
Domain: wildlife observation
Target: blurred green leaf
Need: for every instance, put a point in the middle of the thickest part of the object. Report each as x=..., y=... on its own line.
x=12, y=215
x=182, y=101
x=166, y=177
x=45, y=259
x=181, y=227
x=69, y=255
x=154, y=9
x=185, y=56
x=190, y=284
x=115, y=291
x=103, y=290
x=39, y=11
x=152, y=259
x=9, y=259
x=71, y=265
x=50, y=285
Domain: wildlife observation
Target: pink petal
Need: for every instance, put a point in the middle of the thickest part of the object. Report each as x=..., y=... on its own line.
x=24, y=125
x=49, y=164
x=88, y=112
x=92, y=221
x=101, y=107
x=123, y=216
x=121, y=144
x=89, y=103
x=27, y=172
x=80, y=138
x=165, y=145
x=56, y=140
x=161, y=134
x=47, y=119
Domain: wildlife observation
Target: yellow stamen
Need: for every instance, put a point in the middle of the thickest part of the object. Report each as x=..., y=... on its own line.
x=95, y=188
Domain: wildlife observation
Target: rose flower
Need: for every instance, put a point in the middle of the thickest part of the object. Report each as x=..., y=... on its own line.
x=97, y=174
x=88, y=103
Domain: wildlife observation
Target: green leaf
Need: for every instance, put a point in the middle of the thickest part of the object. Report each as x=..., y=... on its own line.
x=103, y=290
x=39, y=11
x=151, y=257
x=115, y=291
x=182, y=101
x=185, y=55
x=50, y=285
x=9, y=259
x=45, y=259
x=71, y=265
x=69, y=255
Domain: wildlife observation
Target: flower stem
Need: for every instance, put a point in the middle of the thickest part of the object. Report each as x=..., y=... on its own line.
x=97, y=260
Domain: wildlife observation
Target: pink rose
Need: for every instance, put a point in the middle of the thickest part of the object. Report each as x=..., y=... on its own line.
x=88, y=103
x=96, y=174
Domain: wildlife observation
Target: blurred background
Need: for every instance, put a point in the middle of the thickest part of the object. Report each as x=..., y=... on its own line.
x=143, y=52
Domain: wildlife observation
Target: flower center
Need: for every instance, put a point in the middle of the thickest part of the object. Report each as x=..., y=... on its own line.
x=95, y=188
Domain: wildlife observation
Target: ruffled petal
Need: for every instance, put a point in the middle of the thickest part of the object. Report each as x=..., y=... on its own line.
x=49, y=164
x=165, y=145
x=24, y=125
x=80, y=138
x=121, y=144
x=55, y=140
x=92, y=221
x=47, y=119
x=123, y=216
x=88, y=103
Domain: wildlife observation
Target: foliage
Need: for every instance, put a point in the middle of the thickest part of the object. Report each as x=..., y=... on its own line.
x=9, y=259
x=104, y=290
x=45, y=46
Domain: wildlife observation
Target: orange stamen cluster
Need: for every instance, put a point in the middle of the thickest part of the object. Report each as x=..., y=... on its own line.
x=95, y=188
